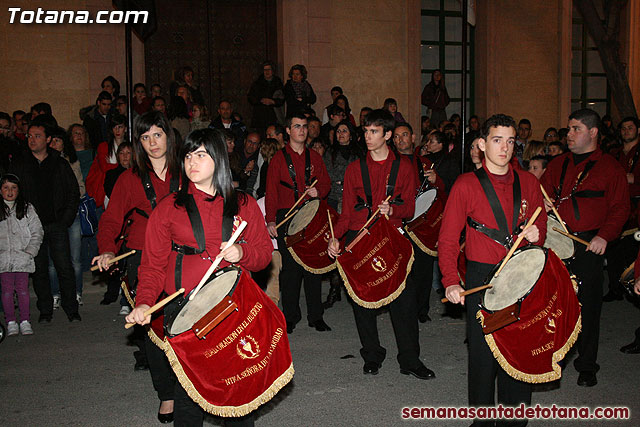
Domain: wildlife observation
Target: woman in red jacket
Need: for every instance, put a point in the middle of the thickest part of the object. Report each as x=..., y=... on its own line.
x=207, y=181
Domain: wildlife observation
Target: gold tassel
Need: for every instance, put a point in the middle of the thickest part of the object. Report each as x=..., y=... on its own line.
x=421, y=245
x=309, y=269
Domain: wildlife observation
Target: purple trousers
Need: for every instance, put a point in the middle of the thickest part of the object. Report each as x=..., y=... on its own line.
x=19, y=283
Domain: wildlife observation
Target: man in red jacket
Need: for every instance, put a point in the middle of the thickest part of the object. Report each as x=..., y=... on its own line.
x=378, y=127
x=490, y=204
x=592, y=197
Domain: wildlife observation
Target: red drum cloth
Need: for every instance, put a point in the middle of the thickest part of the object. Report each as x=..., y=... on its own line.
x=242, y=363
x=156, y=329
x=376, y=269
x=529, y=350
x=312, y=223
x=425, y=235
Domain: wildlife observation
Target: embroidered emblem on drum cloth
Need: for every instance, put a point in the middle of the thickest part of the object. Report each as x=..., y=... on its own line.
x=237, y=220
x=378, y=264
x=550, y=327
x=524, y=206
x=248, y=348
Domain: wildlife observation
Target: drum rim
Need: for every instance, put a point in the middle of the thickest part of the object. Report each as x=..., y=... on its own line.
x=299, y=208
x=522, y=298
x=573, y=256
x=169, y=319
x=409, y=221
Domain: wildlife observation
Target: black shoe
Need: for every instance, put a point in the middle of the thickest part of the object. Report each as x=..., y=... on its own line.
x=165, y=418
x=290, y=327
x=423, y=318
x=612, y=296
x=587, y=379
x=45, y=318
x=107, y=301
x=421, y=372
x=319, y=325
x=74, y=317
x=371, y=368
x=334, y=295
x=141, y=361
x=633, y=348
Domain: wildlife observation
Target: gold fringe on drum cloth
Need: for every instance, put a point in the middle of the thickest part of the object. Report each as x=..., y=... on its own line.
x=383, y=301
x=309, y=269
x=225, y=411
x=417, y=241
x=531, y=378
x=152, y=335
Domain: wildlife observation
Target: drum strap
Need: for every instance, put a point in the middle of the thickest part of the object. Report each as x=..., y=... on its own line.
x=366, y=185
x=573, y=195
x=502, y=235
x=292, y=171
x=198, y=232
x=634, y=159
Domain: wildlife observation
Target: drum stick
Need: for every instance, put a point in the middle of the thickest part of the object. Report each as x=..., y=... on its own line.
x=116, y=259
x=373, y=216
x=571, y=236
x=287, y=218
x=218, y=259
x=518, y=240
x=629, y=232
x=330, y=224
x=553, y=208
x=470, y=291
x=315, y=181
x=157, y=306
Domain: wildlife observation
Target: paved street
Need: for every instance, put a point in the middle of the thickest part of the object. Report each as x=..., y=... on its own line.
x=81, y=374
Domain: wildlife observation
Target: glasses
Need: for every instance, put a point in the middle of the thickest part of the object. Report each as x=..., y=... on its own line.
x=342, y=131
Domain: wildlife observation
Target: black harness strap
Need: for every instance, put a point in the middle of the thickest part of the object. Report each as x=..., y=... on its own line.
x=420, y=168
x=573, y=195
x=292, y=171
x=502, y=235
x=366, y=185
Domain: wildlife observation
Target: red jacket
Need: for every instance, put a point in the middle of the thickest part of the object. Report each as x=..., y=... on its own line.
x=405, y=188
x=606, y=214
x=169, y=223
x=97, y=172
x=128, y=193
x=467, y=199
x=279, y=196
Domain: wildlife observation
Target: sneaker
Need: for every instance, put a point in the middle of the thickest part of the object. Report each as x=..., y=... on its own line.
x=56, y=302
x=12, y=329
x=124, y=310
x=79, y=299
x=25, y=328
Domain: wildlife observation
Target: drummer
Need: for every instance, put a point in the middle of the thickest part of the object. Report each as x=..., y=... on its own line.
x=479, y=196
x=378, y=127
x=207, y=181
x=592, y=197
x=634, y=346
x=422, y=270
x=290, y=173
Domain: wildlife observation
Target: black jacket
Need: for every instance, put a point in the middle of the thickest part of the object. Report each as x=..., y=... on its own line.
x=293, y=105
x=54, y=179
x=264, y=115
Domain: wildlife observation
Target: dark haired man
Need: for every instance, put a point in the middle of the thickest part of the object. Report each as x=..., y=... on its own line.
x=19, y=122
x=291, y=172
x=592, y=197
x=40, y=108
x=314, y=125
x=524, y=132
x=555, y=148
x=98, y=122
x=336, y=91
x=379, y=165
x=225, y=120
x=48, y=183
x=620, y=252
x=475, y=195
x=277, y=132
x=336, y=115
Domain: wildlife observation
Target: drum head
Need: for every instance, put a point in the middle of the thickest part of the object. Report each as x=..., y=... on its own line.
x=424, y=202
x=207, y=297
x=561, y=245
x=303, y=217
x=516, y=279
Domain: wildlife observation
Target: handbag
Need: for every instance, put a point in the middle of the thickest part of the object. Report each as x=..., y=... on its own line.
x=88, y=216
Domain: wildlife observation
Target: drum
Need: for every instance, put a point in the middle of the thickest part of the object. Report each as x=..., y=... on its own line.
x=424, y=227
x=308, y=235
x=244, y=360
x=534, y=299
x=155, y=329
x=561, y=245
x=376, y=268
x=627, y=280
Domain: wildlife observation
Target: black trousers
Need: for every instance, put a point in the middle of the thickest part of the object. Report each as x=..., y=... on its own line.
x=483, y=367
x=55, y=245
x=422, y=276
x=620, y=254
x=404, y=319
x=588, y=267
x=291, y=277
x=187, y=413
